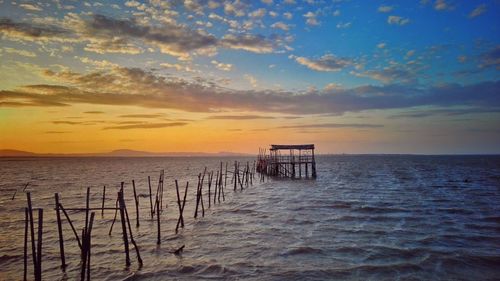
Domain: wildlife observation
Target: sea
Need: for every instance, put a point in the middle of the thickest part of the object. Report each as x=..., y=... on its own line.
x=365, y=217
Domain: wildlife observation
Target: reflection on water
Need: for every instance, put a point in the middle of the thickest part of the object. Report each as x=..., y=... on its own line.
x=365, y=217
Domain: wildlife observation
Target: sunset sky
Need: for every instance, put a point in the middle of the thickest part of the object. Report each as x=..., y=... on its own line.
x=348, y=76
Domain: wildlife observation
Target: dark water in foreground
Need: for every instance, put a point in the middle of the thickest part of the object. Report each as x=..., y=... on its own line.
x=364, y=218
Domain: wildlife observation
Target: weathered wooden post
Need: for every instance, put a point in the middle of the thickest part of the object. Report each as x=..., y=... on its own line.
x=25, y=253
x=150, y=198
x=181, y=209
x=124, y=228
x=103, y=200
x=136, y=204
x=38, y=276
x=60, y=232
x=158, y=241
x=32, y=232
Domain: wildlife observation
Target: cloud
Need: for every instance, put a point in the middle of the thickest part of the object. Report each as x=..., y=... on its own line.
x=28, y=32
x=311, y=19
x=491, y=58
x=385, y=9
x=390, y=74
x=280, y=25
x=445, y=112
x=332, y=125
x=55, y=132
x=141, y=116
x=441, y=5
x=479, y=10
x=239, y=117
x=247, y=42
x=171, y=39
x=343, y=25
x=146, y=126
x=94, y=112
x=381, y=45
x=23, y=53
x=327, y=62
x=136, y=87
x=31, y=7
x=259, y=13
x=222, y=66
x=397, y=20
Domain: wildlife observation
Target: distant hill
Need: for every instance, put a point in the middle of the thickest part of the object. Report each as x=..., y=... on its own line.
x=115, y=153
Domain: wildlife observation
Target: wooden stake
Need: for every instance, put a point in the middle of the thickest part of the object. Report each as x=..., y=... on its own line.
x=181, y=219
x=32, y=231
x=139, y=259
x=59, y=230
x=158, y=241
x=25, y=253
x=71, y=224
x=38, y=277
x=181, y=210
x=103, y=199
x=87, y=207
x=150, y=198
x=124, y=228
x=136, y=204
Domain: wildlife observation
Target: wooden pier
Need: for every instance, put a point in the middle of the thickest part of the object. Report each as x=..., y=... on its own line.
x=288, y=161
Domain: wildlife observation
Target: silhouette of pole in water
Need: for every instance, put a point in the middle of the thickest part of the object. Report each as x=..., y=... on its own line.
x=136, y=204
x=25, y=253
x=32, y=232
x=150, y=198
x=59, y=230
x=139, y=259
x=38, y=276
x=158, y=241
x=103, y=199
x=181, y=208
x=124, y=228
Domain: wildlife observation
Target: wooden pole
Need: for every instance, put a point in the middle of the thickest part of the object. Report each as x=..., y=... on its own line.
x=181, y=219
x=158, y=241
x=139, y=259
x=87, y=207
x=25, y=253
x=136, y=204
x=60, y=232
x=89, y=243
x=197, y=197
x=182, y=209
x=39, y=245
x=71, y=224
x=84, y=255
x=150, y=198
x=103, y=199
x=124, y=228
x=114, y=219
x=210, y=176
x=32, y=231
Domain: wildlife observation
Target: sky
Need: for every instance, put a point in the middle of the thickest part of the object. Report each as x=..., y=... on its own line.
x=201, y=75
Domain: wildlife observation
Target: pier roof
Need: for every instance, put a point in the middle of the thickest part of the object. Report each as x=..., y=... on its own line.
x=291, y=146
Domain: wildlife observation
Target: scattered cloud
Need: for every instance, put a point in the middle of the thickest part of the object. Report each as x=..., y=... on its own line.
x=94, y=112
x=31, y=7
x=385, y=9
x=442, y=5
x=397, y=20
x=131, y=86
x=146, y=126
x=479, y=10
x=222, y=66
x=280, y=25
x=332, y=126
x=19, y=52
x=327, y=62
x=239, y=117
x=141, y=115
x=311, y=19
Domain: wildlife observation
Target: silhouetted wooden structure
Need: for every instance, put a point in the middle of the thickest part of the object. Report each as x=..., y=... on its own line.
x=290, y=161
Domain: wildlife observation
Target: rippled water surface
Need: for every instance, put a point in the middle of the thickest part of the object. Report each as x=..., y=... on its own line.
x=363, y=218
